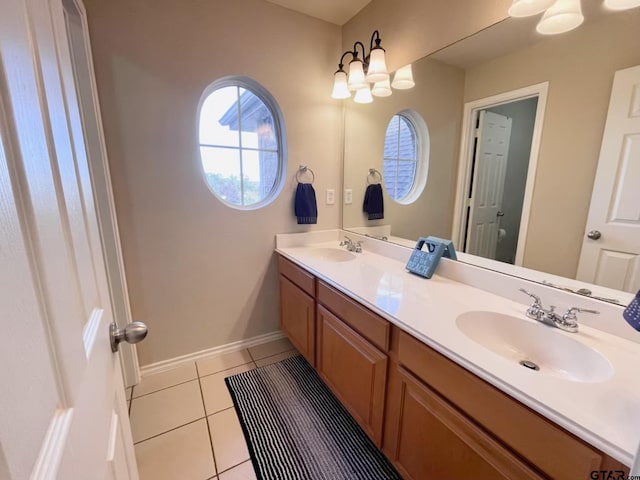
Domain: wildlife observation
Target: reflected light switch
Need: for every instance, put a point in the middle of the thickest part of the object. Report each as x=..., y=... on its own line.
x=348, y=196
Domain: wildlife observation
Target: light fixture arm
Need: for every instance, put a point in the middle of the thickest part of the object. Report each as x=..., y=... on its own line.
x=355, y=51
x=375, y=36
x=341, y=64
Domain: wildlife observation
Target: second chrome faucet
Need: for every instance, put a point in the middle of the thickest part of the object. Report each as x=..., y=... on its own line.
x=352, y=247
x=567, y=322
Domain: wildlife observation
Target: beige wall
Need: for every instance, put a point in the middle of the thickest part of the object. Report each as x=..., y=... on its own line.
x=579, y=67
x=411, y=29
x=202, y=274
x=437, y=97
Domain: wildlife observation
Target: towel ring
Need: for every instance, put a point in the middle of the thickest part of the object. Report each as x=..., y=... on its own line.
x=302, y=170
x=372, y=173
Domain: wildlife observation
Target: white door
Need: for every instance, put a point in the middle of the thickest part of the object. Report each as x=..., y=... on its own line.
x=494, y=134
x=63, y=413
x=610, y=253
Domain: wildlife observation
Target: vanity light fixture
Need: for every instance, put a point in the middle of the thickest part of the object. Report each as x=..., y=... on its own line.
x=403, y=79
x=366, y=70
x=621, y=4
x=562, y=16
x=526, y=8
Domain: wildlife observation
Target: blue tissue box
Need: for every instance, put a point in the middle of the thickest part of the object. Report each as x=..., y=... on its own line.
x=424, y=262
x=449, y=250
x=632, y=313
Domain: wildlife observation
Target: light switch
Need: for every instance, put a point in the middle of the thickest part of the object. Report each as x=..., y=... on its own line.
x=348, y=196
x=331, y=196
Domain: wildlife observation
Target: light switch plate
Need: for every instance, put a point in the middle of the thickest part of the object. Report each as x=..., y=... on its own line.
x=348, y=196
x=331, y=196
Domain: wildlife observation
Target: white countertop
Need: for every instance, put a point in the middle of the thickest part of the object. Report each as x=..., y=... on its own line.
x=605, y=415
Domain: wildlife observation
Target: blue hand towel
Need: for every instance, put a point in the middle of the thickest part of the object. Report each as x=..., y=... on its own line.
x=306, y=208
x=373, y=204
x=632, y=312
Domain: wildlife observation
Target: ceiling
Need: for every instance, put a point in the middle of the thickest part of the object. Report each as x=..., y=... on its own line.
x=338, y=12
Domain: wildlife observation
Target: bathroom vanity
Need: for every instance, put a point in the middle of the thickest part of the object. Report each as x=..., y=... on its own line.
x=439, y=404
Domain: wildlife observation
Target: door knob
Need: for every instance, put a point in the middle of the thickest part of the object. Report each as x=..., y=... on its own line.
x=132, y=333
x=500, y=213
x=594, y=235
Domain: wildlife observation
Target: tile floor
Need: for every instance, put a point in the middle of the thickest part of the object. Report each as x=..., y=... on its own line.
x=183, y=422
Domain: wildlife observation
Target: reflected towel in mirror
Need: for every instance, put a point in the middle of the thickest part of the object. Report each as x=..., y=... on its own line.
x=373, y=204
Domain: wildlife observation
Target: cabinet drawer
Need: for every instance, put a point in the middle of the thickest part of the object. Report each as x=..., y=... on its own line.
x=374, y=328
x=297, y=275
x=554, y=451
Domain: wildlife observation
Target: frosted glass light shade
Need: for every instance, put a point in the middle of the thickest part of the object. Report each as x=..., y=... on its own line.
x=377, y=66
x=562, y=16
x=526, y=8
x=356, y=75
x=381, y=89
x=340, y=86
x=363, y=95
x=621, y=4
x=403, y=79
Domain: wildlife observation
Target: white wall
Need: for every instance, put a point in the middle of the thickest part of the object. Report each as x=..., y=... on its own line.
x=202, y=274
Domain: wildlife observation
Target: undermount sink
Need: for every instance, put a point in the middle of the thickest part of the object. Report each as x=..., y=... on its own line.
x=330, y=254
x=537, y=347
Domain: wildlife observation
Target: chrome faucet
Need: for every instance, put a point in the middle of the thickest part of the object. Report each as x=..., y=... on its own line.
x=352, y=247
x=567, y=322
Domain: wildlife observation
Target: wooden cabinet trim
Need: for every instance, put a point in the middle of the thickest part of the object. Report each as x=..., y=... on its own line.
x=532, y=436
x=297, y=317
x=372, y=420
x=371, y=326
x=297, y=275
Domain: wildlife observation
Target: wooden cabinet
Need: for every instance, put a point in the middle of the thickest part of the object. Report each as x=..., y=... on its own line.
x=531, y=439
x=432, y=440
x=433, y=418
x=297, y=308
x=355, y=371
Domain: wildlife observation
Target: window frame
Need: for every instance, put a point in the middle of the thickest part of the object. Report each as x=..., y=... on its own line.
x=421, y=130
x=267, y=98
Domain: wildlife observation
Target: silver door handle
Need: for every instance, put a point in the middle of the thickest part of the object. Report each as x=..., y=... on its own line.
x=132, y=333
x=500, y=213
x=594, y=235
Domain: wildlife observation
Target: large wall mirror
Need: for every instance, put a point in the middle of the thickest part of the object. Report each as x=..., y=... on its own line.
x=517, y=150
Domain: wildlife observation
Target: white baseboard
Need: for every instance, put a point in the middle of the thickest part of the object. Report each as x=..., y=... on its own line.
x=192, y=357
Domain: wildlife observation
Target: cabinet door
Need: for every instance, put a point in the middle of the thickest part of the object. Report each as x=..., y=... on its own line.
x=297, y=318
x=355, y=371
x=428, y=439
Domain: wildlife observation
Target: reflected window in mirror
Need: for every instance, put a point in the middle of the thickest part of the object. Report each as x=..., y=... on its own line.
x=406, y=156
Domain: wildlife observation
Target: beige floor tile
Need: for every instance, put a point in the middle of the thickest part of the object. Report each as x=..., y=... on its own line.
x=227, y=438
x=215, y=391
x=184, y=453
x=210, y=365
x=158, y=381
x=271, y=348
x=244, y=471
x=161, y=411
x=275, y=358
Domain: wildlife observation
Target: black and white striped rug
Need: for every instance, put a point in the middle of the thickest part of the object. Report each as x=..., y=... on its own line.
x=297, y=430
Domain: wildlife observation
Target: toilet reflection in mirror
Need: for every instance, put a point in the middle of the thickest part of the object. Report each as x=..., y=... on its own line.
x=542, y=229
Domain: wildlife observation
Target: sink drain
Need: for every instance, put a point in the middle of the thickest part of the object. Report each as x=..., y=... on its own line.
x=530, y=365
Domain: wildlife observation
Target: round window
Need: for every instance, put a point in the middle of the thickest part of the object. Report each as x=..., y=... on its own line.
x=241, y=139
x=406, y=156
